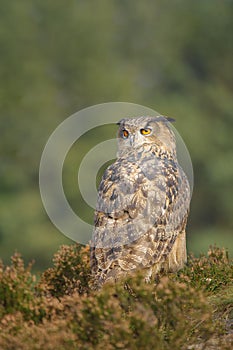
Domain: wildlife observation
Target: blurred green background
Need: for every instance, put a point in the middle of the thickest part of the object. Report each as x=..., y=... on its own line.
x=59, y=57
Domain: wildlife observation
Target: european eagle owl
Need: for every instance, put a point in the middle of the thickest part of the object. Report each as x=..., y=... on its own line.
x=142, y=206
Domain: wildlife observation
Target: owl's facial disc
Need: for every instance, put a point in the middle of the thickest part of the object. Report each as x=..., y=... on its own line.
x=133, y=135
x=141, y=131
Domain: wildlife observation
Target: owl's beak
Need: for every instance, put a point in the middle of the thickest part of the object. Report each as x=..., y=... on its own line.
x=131, y=140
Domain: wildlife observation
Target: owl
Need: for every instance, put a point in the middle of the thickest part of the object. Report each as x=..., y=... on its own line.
x=142, y=206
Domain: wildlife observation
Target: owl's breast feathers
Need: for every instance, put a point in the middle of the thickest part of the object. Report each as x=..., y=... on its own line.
x=142, y=206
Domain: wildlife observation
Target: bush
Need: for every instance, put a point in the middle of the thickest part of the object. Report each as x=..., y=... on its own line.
x=127, y=315
x=17, y=290
x=211, y=272
x=71, y=272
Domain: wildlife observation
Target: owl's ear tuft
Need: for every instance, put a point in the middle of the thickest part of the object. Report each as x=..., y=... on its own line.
x=171, y=120
x=120, y=122
x=164, y=118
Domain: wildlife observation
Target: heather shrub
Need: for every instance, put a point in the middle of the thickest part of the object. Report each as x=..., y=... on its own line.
x=129, y=315
x=70, y=273
x=62, y=312
x=211, y=272
x=17, y=293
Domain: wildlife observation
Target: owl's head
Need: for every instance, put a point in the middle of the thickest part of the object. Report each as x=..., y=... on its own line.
x=141, y=131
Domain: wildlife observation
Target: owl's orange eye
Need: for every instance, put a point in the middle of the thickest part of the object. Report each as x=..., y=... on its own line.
x=125, y=134
x=146, y=131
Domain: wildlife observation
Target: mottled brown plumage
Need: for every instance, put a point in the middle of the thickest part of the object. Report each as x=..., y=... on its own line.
x=142, y=205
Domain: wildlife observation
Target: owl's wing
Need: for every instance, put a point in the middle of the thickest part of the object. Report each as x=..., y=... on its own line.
x=179, y=198
x=130, y=201
x=134, y=222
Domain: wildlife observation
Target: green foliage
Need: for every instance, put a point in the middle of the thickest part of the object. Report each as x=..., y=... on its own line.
x=128, y=315
x=17, y=290
x=211, y=272
x=173, y=56
x=223, y=304
x=70, y=272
